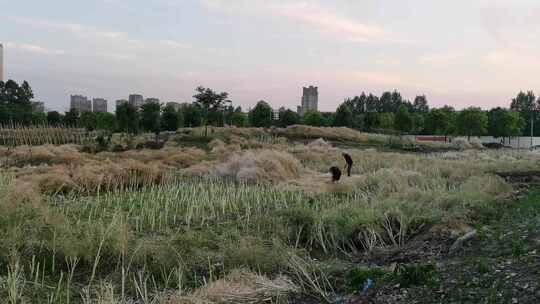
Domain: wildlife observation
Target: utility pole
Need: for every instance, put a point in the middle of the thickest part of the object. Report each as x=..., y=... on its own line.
x=532, y=129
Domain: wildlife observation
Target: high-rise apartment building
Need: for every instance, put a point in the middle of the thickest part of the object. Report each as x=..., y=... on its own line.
x=120, y=102
x=99, y=105
x=38, y=107
x=310, y=100
x=81, y=103
x=177, y=105
x=152, y=100
x=136, y=100
x=275, y=114
x=1, y=62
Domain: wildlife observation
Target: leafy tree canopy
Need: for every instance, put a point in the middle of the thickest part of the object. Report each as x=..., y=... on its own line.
x=314, y=118
x=385, y=121
x=403, y=121
x=72, y=118
x=211, y=104
x=288, y=118
x=261, y=115
x=239, y=119
x=15, y=102
x=54, y=118
x=170, y=118
x=192, y=115
x=344, y=117
x=472, y=122
x=106, y=122
x=420, y=105
x=504, y=122
x=128, y=118
x=88, y=120
x=151, y=117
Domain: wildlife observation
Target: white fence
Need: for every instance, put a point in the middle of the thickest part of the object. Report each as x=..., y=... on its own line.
x=515, y=142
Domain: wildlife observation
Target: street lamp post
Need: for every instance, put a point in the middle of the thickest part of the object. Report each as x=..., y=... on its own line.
x=532, y=129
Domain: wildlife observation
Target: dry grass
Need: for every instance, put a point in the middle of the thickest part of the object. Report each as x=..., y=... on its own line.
x=183, y=158
x=63, y=169
x=221, y=150
x=173, y=237
x=93, y=177
x=240, y=286
x=176, y=157
x=252, y=166
x=241, y=132
x=21, y=194
x=462, y=143
x=301, y=131
x=476, y=143
x=38, y=155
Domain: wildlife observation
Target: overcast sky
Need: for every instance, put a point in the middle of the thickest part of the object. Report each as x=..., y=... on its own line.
x=459, y=52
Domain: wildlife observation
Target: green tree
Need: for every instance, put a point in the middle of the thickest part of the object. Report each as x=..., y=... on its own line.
x=15, y=102
x=151, y=118
x=71, y=119
x=288, y=118
x=170, y=118
x=420, y=105
x=181, y=120
x=39, y=118
x=373, y=104
x=385, y=121
x=526, y=104
x=441, y=121
x=371, y=120
x=472, y=122
x=217, y=118
x=357, y=104
x=515, y=124
x=239, y=119
x=418, y=122
x=359, y=121
x=106, y=122
x=261, y=115
x=88, y=120
x=127, y=117
x=386, y=103
x=495, y=119
x=403, y=121
x=228, y=113
x=192, y=115
x=504, y=123
x=314, y=118
x=390, y=102
x=344, y=117
x=54, y=118
x=211, y=104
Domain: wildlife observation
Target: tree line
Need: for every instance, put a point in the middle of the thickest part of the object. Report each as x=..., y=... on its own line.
x=392, y=112
x=367, y=112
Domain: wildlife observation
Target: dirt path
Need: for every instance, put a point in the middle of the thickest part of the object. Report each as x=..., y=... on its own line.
x=500, y=264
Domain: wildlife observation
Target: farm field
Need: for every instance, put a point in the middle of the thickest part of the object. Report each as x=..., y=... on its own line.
x=251, y=216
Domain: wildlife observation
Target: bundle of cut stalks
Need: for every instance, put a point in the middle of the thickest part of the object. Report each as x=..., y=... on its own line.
x=241, y=286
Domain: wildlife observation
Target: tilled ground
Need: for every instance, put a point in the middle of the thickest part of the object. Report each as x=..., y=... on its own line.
x=500, y=265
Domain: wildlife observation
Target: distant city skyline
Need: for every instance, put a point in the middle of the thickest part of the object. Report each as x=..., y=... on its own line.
x=267, y=49
x=1, y=62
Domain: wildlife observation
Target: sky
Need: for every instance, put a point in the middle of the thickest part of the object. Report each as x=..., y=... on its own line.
x=460, y=52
